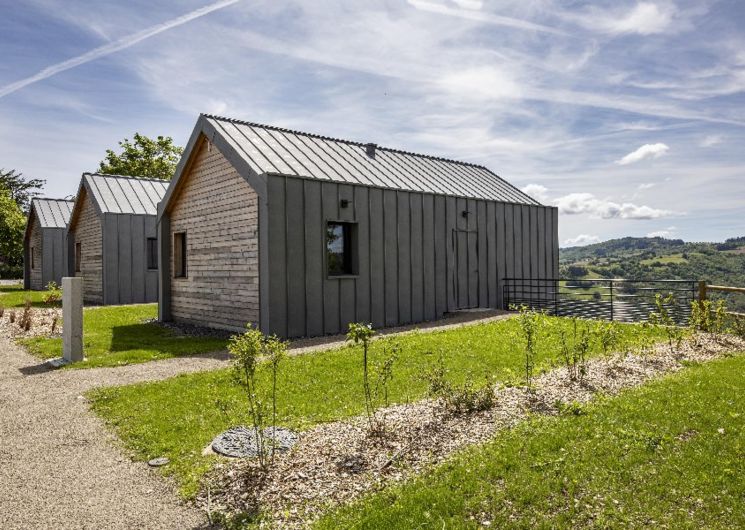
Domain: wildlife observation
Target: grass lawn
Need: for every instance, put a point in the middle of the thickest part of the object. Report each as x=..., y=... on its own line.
x=664, y=260
x=670, y=454
x=178, y=417
x=118, y=335
x=16, y=296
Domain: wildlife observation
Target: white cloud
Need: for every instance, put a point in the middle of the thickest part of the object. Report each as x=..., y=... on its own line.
x=469, y=4
x=646, y=18
x=111, y=47
x=582, y=239
x=537, y=191
x=667, y=232
x=645, y=151
x=587, y=203
x=646, y=186
x=711, y=140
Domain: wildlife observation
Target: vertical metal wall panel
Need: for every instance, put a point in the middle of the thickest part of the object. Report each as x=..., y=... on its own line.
x=525, y=241
x=125, y=259
x=501, y=249
x=429, y=284
x=417, y=262
x=460, y=248
x=364, y=242
x=277, y=273
x=535, y=258
x=510, y=247
x=347, y=287
x=555, y=237
x=441, y=253
x=314, y=259
x=330, y=209
x=139, y=261
x=403, y=237
x=492, y=272
x=47, y=257
x=450, y=255
x=483, y=255
x=151, y=276
x=378, y=289
x=110, y=249
x=390, y=231
x=295, y=248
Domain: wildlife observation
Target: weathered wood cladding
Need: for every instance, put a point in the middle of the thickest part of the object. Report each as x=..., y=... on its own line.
x=218, y=210
x=86, y=230
x=127, y=280
x=36, y=251
x=420, y=255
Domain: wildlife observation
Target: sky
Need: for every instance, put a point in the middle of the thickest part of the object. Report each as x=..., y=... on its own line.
x=629, y=116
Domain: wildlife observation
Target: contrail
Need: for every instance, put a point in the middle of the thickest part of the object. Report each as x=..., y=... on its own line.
x=115, y=46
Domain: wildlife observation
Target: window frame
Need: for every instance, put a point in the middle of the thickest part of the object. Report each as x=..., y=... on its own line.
x=350, y=249
x=33, y=258
x=183, y=258
x=151, y=253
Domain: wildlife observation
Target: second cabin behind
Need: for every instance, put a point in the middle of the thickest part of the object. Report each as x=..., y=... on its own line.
x=112, y=239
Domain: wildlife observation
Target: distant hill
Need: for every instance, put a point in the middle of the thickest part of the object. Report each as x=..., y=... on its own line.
x=657, y=258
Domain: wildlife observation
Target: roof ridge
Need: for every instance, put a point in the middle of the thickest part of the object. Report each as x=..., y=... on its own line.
x=341, y=140
x=50, y=199
x=150, y=179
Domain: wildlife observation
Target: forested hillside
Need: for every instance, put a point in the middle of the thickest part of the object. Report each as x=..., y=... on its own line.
x=656, y=258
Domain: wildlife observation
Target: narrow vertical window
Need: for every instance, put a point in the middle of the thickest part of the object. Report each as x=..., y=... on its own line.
x=340, y=248
x=179, y=255
x=33, y=258
x=78, y=256
x=152, y=253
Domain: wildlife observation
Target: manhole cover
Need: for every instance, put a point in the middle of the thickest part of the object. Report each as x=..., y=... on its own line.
x=240, y=442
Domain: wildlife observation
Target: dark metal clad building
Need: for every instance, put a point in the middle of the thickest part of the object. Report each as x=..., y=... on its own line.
x=45, y=253
x=112, y=238
x=342, y=232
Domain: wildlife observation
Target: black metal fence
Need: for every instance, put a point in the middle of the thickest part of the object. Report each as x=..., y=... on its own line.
x=617, y=299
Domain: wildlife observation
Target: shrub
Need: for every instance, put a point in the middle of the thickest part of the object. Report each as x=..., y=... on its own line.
x=361, y=334
x=607, y=334
x=55, y=320
x=12, y=316
x=574, y=352
x=662, y=317
x=53, y=294
x=2, y=310
x=26, y=321
x=458, y=399
x=529, y=321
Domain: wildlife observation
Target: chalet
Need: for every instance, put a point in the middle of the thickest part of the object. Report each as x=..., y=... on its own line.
x=302, y=234
x=44, y=249
x=112, y=238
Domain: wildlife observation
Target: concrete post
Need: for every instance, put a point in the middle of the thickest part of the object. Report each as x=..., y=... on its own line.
x=72, y=319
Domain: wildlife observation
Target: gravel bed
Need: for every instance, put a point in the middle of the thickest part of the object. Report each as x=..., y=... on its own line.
x=45, y=322
x=335, y=463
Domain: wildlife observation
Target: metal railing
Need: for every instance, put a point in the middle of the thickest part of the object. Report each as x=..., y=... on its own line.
x=608, y=299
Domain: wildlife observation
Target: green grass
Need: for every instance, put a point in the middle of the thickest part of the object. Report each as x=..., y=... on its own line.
x=653, y=457
x=178, y=417
x=665, y=260
x=118, y=335
x=16, y=296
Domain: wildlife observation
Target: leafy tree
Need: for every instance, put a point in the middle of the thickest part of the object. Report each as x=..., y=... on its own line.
x=12, y=223
x=21, y=189
x=144, y=157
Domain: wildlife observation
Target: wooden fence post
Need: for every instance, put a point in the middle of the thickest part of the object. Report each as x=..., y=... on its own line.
x=701, y=293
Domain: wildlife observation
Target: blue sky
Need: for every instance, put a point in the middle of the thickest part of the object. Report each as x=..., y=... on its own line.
x=627, y=115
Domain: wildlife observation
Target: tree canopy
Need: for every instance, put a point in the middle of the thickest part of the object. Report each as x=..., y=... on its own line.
x=20, y=188
x=12, y=225
x=143, y=157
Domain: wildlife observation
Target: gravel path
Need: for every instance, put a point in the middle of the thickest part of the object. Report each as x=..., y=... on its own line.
x=60, y=467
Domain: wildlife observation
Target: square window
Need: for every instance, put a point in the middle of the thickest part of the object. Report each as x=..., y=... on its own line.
x=179, y=255
x=78, y=256
x=340, y=258
x=152, y=253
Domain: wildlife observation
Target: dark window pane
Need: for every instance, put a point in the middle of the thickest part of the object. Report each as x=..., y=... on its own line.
x=339, y=249
x=179, y=255
x=152, y=253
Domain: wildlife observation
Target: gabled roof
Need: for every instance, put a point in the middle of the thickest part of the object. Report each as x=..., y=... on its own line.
x=52, y=213
x=257, y=150
x=122, y=194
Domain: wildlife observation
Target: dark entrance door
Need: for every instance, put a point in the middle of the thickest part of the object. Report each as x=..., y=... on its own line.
x=466, y=268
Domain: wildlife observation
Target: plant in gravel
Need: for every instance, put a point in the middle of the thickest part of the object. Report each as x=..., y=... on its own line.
x=662, y=317
x=12, y=316
x=26, y=320
x=575, y=351
x=458, y=399
x=645, y=343
x=529, y=323
x=275, y=350
x=2, y=310
x=53, y=294
x=719, y=319
x=384, y=372
x=55, y=321
x=700, y=319
x=360, y=333
x=607, y=335
x=246, y=350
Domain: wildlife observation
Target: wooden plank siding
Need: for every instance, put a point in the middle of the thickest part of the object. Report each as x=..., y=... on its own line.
x=87, y=231
x=36, y=247
x=218, y=210
x=409, y=268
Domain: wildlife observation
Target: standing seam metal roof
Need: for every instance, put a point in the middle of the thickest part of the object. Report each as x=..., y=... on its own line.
x=127, y=195
x=52, y=213
x=275, y=150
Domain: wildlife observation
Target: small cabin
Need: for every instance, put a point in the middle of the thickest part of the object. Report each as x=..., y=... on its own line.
x=44, y=249
x=112, y=238
x=301, y=234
